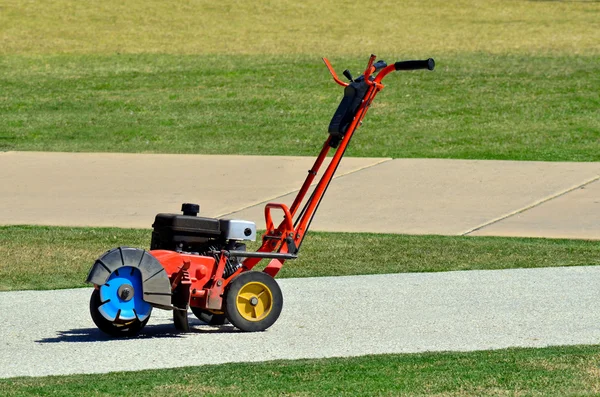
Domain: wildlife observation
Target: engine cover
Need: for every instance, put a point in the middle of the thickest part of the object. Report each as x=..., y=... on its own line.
x=191, y=233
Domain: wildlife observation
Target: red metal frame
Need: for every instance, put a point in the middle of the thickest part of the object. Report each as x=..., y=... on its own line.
x=274, y=239
x=205, y=274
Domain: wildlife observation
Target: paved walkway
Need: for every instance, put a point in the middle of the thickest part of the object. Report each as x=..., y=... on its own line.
x=415, y=196
x=397, y=313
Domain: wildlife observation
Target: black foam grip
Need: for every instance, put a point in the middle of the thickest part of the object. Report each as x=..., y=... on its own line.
x=414, y=65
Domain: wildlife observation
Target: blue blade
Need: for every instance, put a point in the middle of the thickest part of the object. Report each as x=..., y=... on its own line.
x=113, y=305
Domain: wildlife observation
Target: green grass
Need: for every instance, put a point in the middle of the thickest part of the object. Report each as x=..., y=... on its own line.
x=475, y=106
x=516, y=80
x=290, y=27
x=554, y=371
x=41, y=257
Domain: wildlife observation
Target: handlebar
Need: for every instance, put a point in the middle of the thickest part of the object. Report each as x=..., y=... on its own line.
x=383, y=69
x=414, y=65
x=428, y=64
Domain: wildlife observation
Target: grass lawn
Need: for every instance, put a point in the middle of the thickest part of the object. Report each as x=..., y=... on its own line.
x=290, y=27
x=474, y=106
x=554, y=371
x=40, y=257
x=515, y=79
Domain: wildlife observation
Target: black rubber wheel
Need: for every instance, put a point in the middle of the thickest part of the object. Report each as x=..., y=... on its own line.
x=180, y=299
x=209, y=317
x=118, y=328
x=253, y=301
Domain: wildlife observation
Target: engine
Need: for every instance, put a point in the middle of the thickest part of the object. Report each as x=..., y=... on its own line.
x=197, y=235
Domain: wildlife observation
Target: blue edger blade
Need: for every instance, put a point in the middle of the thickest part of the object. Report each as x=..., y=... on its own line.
x=114, y=306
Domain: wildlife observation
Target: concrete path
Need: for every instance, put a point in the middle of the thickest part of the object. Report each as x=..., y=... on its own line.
x=51, y=333
x=128, y=190
x=417, y=196
x=459, y=197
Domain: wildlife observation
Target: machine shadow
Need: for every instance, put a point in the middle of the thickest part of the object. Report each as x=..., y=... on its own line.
x=158, y=331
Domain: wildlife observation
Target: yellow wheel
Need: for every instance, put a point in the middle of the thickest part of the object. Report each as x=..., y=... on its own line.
x=253, y=301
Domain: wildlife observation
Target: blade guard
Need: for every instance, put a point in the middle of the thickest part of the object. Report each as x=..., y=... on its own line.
x=155, y=282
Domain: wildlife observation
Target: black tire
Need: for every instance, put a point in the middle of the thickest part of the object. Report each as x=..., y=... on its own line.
x=253, y=301
x=208, y=317
x=129, y=328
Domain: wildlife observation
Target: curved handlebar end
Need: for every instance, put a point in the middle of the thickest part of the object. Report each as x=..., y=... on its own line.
x=333, y=74
x=430, y=64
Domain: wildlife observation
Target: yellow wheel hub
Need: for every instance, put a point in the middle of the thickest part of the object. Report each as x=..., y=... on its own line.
x=254, y=301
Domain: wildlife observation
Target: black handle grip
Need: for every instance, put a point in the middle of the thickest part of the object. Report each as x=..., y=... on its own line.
x=414, y=65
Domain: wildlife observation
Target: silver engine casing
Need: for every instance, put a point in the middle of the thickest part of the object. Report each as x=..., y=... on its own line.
x=234, y=229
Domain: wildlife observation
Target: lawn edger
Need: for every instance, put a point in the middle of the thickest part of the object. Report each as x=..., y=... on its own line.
x=202, y=263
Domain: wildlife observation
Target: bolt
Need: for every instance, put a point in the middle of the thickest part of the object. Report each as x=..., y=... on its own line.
x=254, y=301
x=125, y=292
x=219, y=283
